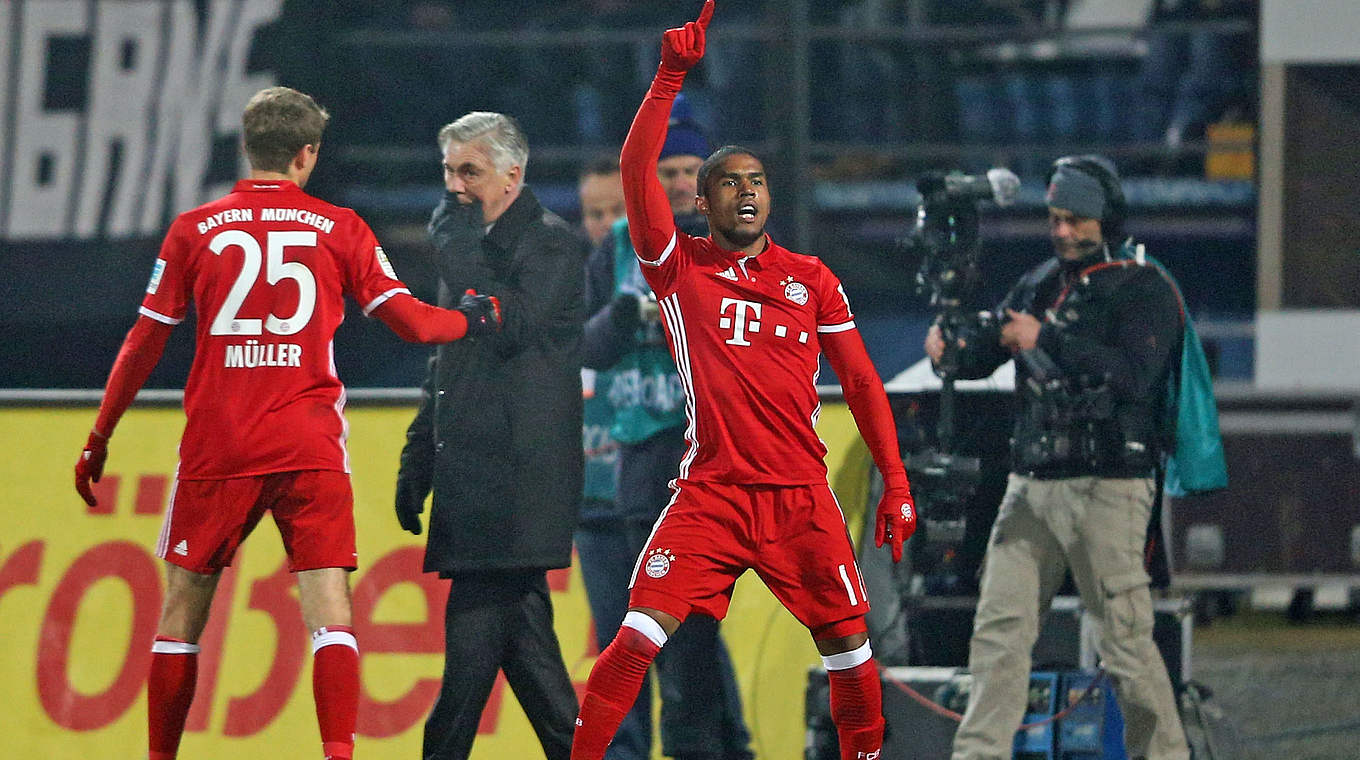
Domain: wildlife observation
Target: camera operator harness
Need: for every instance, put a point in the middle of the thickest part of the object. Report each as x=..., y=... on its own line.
x=1071, y=422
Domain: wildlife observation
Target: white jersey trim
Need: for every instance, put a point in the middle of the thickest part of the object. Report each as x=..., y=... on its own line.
x=163, y=540
x=340, y=408
x=671, y=315
x=159, y=317
x=666, y=254
x=836, y=328
x=382, y=299
x=675, y=494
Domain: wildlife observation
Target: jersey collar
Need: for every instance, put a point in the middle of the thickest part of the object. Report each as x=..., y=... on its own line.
x=264, y=186
x=753, y=262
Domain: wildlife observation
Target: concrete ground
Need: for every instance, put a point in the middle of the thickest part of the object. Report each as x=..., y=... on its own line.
x=1281, y=689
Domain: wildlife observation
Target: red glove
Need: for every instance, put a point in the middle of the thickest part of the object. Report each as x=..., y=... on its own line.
x=683, y=47
x=90, y=465
x=896, y=519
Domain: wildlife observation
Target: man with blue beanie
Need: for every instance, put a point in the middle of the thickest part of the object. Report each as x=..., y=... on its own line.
x=701, y=714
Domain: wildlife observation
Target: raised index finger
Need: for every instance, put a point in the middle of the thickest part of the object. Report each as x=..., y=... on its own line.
x=705, y=15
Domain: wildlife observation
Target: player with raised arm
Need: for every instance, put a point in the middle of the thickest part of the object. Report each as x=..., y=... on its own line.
x=746, y=320
x=267, y=268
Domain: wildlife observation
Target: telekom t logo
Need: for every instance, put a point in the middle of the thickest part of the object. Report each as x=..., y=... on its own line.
x=742, y=325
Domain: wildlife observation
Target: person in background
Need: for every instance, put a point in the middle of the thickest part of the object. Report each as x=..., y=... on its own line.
x=1095, y=332
x=600, y=192
x=701, y=710
x=601, y=537
x=497, y=439
x=746, y=321
x=267, y=268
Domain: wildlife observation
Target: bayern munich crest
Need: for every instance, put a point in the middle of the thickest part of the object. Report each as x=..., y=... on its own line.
x=796, y=292
x=658, y=562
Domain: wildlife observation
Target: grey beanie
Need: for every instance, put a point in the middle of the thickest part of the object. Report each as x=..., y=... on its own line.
x=1077, y=191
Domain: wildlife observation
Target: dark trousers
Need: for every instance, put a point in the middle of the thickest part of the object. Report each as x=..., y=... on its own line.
x=500, y=621
x=700, y=703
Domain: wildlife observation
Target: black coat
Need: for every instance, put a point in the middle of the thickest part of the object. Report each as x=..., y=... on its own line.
x=1118, y=326
x=498, y=434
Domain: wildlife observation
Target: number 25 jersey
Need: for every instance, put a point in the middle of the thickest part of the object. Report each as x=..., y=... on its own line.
x=267, y=268
x=743, y=331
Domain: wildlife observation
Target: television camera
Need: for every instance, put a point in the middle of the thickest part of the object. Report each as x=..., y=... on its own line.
x=946, y=238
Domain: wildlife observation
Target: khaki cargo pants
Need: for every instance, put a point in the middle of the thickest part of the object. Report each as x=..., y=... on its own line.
x=1097, y=527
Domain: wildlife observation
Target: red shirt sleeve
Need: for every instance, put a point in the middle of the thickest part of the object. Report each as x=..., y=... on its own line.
x=650, y=223
x=844, y=348
x=171, y=285
x=833, y=306
x=867, y=400
x=141, y=350
x=369, y=277
x=415, y=321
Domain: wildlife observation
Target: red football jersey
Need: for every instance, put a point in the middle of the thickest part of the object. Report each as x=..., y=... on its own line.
x=267, y=268
x=743, y=330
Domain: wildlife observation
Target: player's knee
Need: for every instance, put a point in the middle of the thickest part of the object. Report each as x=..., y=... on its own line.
x=843, y=644
x=849, y=628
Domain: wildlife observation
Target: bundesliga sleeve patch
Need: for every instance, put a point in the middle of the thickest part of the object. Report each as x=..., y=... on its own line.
x=383, y=262
x=156, y=273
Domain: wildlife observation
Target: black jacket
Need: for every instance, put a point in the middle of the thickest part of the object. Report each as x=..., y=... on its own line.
x=1120, y=326
x=498, y=433
x=611, y=329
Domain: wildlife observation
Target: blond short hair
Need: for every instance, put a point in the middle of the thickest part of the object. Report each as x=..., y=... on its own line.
x=277, y=123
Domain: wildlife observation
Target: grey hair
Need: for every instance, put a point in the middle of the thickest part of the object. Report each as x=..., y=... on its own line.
x=500, y=133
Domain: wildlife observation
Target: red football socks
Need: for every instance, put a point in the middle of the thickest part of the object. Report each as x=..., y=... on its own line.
x=857, y=710
x=614, y=684
x=335, y=687
x=169, y=690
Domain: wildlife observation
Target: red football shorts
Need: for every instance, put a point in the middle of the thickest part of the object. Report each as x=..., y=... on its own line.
x=794, y=537
x=206, y=520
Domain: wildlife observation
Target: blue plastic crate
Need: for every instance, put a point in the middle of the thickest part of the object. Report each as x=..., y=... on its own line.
x=1094, y=730
x=1039, y=743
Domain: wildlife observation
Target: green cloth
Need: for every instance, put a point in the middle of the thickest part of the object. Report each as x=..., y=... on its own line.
x=1195, y=461
x=644, y=388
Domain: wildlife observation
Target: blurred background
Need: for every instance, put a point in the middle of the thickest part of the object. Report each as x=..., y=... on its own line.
x=121, y=114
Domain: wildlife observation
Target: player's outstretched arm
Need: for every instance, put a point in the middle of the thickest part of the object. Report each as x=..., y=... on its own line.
x=141, y=350
x=415, y=321
x=650, y=224
x=895, y=519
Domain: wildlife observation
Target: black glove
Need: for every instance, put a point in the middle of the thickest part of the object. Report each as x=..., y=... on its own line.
x=458, y=228
x=483, y=313
x=410, y=502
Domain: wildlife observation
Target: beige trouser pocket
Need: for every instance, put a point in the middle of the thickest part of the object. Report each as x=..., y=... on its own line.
x=1128, y=605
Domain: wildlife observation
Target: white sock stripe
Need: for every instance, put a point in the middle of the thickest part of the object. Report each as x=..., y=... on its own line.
x=173, y=647
x=324, y=638
x=847, y=660
x=645, y=626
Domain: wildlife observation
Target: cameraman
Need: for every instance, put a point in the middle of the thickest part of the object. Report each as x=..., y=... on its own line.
x=1095, y=332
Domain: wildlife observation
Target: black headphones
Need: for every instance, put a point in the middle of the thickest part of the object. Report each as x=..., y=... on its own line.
x=1102, y=169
